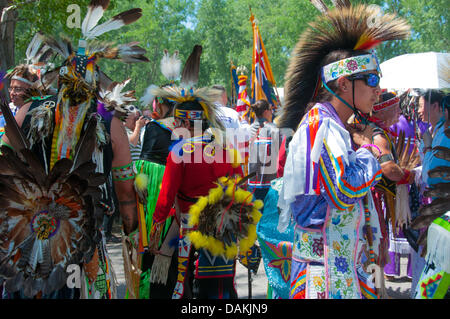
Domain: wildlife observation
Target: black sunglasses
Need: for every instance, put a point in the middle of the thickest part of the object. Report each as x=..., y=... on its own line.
x=371, y=79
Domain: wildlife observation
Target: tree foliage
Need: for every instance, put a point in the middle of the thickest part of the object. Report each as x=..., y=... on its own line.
x=223, y=28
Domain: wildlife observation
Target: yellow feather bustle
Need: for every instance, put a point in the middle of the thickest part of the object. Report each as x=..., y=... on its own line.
x=226, y=191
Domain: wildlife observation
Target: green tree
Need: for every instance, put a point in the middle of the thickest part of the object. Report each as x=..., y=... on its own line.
x=223, y=28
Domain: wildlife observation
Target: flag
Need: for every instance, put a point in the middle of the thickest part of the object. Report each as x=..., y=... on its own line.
x=263, y=81
x=242, y=101
x=234, y=85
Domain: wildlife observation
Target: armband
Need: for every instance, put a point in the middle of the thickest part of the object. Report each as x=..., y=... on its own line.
x=386, y=158
x=374, y=146
x=405, y=179
x=123, y=173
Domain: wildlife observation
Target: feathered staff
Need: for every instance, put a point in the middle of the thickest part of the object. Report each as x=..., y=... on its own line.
x=343, y=28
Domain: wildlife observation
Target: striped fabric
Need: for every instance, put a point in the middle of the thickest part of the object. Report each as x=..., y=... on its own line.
x=135, y=150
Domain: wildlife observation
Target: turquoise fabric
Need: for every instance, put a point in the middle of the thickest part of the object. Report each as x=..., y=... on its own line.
x=276, y=247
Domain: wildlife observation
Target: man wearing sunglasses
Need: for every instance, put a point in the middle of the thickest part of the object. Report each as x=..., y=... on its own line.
x=331, y=166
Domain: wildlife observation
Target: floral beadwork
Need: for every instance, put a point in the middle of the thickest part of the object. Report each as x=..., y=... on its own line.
x=349, y=66
x=343, y=244
x=308, y=246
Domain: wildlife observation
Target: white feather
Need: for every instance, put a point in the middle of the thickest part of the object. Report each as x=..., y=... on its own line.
x=171, y=66
x=93, y=16
x=33, y=47
x=148, y=96
x=109, y=25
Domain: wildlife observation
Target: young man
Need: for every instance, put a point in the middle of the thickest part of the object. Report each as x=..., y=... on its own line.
x=326, y=183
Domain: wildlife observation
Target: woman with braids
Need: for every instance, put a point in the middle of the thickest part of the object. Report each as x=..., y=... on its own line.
x=331, y=166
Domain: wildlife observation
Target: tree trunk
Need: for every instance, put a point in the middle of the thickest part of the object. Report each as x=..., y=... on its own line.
x=7, y=43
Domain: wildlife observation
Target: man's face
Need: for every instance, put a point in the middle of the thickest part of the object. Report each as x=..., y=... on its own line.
x=17, y=91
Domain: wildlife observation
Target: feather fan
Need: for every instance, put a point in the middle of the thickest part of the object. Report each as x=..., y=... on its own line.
x=225, y=219
x=408, y=156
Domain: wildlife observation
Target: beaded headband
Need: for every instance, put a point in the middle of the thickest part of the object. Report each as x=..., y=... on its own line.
x=189, y=114
x=349, y=66
x=21, y=79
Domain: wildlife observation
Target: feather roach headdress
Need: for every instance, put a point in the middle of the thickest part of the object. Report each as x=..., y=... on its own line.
x=170, y=67
x=192, y=103
x=345, y=27
x=200, y=102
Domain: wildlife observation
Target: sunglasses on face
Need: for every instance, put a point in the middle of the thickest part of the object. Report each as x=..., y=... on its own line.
x=371, y=79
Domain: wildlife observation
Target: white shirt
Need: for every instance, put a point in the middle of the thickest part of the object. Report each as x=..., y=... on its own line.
x=228, y=116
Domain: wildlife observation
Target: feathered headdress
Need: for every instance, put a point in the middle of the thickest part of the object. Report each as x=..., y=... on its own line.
x=204, y=97
x=80, y=79
x=345, y=27
x=80, y=65
x=170, y=67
